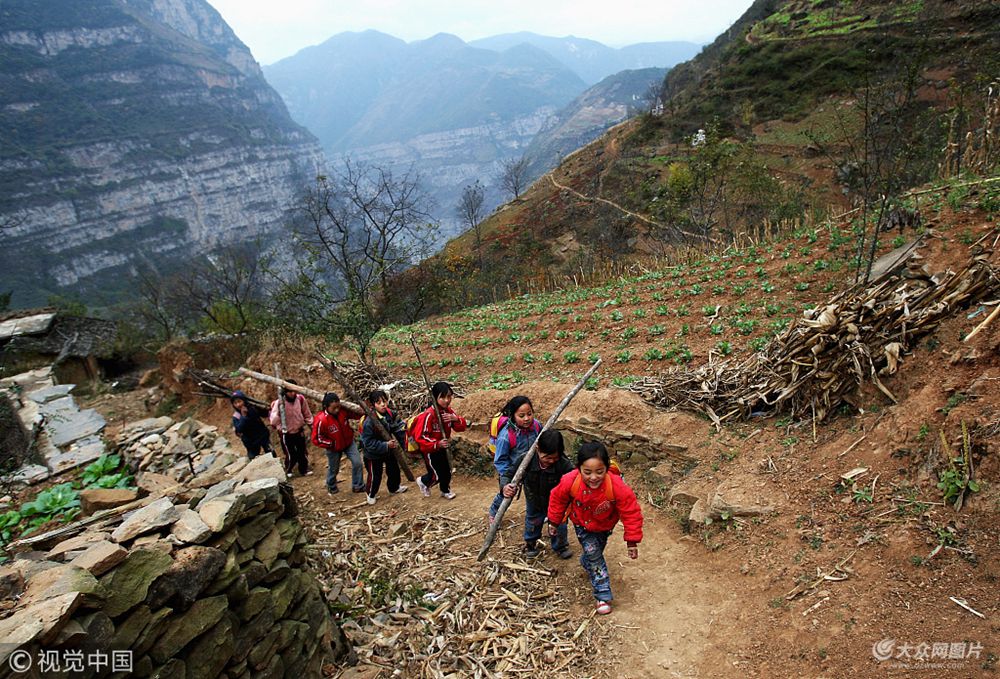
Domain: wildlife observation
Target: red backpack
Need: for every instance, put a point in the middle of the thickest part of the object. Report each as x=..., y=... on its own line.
x=608, y=487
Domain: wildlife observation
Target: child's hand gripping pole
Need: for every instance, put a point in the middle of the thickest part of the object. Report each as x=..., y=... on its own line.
x=491, y=534
x=443, y=443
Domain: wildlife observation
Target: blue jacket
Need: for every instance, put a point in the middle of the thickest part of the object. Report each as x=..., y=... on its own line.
x=506, y=459
x=250, y=428
x=372, y=445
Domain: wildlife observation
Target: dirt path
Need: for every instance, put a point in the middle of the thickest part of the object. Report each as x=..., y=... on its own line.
x=634, y=215
x=667, y=602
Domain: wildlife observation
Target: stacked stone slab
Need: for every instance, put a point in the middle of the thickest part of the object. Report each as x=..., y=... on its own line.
x=210, y=582
x=160, y=445
x=68, y=436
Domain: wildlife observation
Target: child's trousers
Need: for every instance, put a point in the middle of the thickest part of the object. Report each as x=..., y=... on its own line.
x=357, y=467
x=374, y=480
x=593, y=562
x=534, y=517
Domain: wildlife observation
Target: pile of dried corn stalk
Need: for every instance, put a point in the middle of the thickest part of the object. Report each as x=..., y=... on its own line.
x=408, y=396
x=817, y=363
x=413, y=599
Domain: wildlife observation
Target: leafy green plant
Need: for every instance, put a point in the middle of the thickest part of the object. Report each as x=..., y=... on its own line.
x=724, y=347
x=60, y=501
x=102, y=466
x=623, y=356
x=571, y=357
x=8, y=525
x=653, y=354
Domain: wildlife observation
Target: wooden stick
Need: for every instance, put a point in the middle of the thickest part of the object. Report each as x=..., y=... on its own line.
x=384, y=433
x=284, y=421
x=526, y=460
x=853, y=445
x=430, y=391
x=305, y=391
x=966, y=606
x=989, y=319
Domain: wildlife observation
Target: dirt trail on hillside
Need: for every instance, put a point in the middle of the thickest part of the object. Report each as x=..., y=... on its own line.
x=667, y=603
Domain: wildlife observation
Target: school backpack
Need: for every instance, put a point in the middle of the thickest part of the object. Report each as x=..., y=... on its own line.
x=497, y=423
x=413, y=426
x=608, y=487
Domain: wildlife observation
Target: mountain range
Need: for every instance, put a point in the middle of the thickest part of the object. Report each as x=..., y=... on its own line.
x=451, y=110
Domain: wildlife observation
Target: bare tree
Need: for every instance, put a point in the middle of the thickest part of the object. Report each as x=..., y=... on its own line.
x=157, y=305
x=227, y=288
x=654, y=97
x=470, y=211
x=359, y=228
x=513, y=175
x=884, y=144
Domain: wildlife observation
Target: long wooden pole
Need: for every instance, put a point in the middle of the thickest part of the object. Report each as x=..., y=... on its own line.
x=384, y=433
x=526, y=460
x=430, y=392
x=284, y=421
x=305, y=391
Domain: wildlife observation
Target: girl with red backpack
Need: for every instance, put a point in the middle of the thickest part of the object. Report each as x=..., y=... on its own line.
x=596, y=498
x=517, y=430
x=434, y=443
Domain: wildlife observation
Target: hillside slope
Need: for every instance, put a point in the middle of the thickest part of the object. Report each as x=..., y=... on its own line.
x=786, y=71
x=134, y=131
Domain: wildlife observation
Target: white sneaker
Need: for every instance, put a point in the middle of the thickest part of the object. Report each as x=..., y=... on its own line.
x=448, y=496
x=423, y=489
x=371, y=500
x=401, y=489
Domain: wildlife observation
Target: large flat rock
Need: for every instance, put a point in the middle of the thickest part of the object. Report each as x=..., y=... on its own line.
x=50, y=393
x=31, y=474
x=29, y=381
x=66, y=423
x=28, y=325
x=81, y=452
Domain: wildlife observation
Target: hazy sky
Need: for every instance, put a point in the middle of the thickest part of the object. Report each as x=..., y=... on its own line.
x=274, y=29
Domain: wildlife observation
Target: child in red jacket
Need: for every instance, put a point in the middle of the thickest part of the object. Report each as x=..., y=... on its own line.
x=595, y=498
x=434, y=443
x=332, y=431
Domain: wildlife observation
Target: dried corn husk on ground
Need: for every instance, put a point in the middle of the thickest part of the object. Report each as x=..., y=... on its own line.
x=817, y=363
x=412, y=597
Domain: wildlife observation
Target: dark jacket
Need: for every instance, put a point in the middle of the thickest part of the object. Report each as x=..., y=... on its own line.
x=372, y=445
x=250, y=427
x=538, y=483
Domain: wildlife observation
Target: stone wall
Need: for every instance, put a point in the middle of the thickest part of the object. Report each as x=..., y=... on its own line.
x=207, y=582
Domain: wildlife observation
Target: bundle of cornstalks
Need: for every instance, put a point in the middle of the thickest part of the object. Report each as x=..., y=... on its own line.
x=819, y=362
x=413, y=599
x=408, y=396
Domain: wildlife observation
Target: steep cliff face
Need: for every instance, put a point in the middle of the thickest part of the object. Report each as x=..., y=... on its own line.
x=133, y=130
